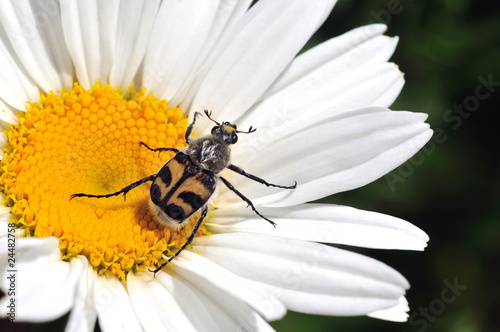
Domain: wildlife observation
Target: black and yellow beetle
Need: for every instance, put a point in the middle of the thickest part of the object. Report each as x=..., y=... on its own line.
x=186, y=182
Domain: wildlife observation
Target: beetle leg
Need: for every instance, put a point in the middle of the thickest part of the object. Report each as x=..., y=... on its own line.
x=255, y=178
x=124, y=191
x=159, y=149
x=190, y=127
x=249, y=202
x=189, y=240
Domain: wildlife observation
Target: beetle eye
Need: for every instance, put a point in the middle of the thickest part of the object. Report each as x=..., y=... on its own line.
x=215, y=130
x=234, y=138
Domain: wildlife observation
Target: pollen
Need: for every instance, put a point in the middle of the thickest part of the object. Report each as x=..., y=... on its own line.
x=87, y=141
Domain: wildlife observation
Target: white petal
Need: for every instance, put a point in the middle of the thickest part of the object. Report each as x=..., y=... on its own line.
x=308, y=277
x=112, y=303
x=107, y=12
x=324, y=223
x=16, y=88
x=327, y=304
x=7, y=115
x=4, y=230
x=249, y=58
x=224, y=281
x=4, y=219
x=3, y=142
x=156, y=308
x=247, y=318
x=397, y=313
x=90, y=31
x=322, y=96
x=48, y=21
x=135, y=22
x=180, y=31
x=189, y=301
x=46, y=286
x=81, y=33
x=349, y=51
x=338, y=154
x=35, y=33
x=35, y=249
x=228, y=12
x=225, y=320
x=83, y=316
x=90, y=34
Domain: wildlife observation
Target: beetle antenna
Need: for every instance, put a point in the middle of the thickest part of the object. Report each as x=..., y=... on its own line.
x=208, y=113
x=250, y=130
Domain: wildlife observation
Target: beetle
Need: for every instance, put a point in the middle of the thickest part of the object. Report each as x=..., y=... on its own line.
x=187, y=181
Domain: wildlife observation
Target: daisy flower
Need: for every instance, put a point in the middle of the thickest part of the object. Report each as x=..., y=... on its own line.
x=84, y=82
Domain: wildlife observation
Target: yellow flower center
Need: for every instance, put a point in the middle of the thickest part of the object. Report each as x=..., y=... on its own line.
x=79, y=141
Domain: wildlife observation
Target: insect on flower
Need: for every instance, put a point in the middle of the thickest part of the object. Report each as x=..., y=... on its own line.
x=186, y=182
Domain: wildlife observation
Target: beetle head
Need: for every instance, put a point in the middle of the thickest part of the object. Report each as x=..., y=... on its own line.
x=227, y=131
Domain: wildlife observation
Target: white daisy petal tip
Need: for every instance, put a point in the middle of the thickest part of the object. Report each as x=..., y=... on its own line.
x=397, y=313
x=397, y=68
x=307, y=277
x=379, y=27
x=326, y=223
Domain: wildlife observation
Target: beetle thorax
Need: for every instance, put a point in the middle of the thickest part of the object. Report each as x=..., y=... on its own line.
x=210, y=153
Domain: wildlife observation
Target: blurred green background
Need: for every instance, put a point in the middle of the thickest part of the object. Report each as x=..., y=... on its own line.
x=451, y=191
